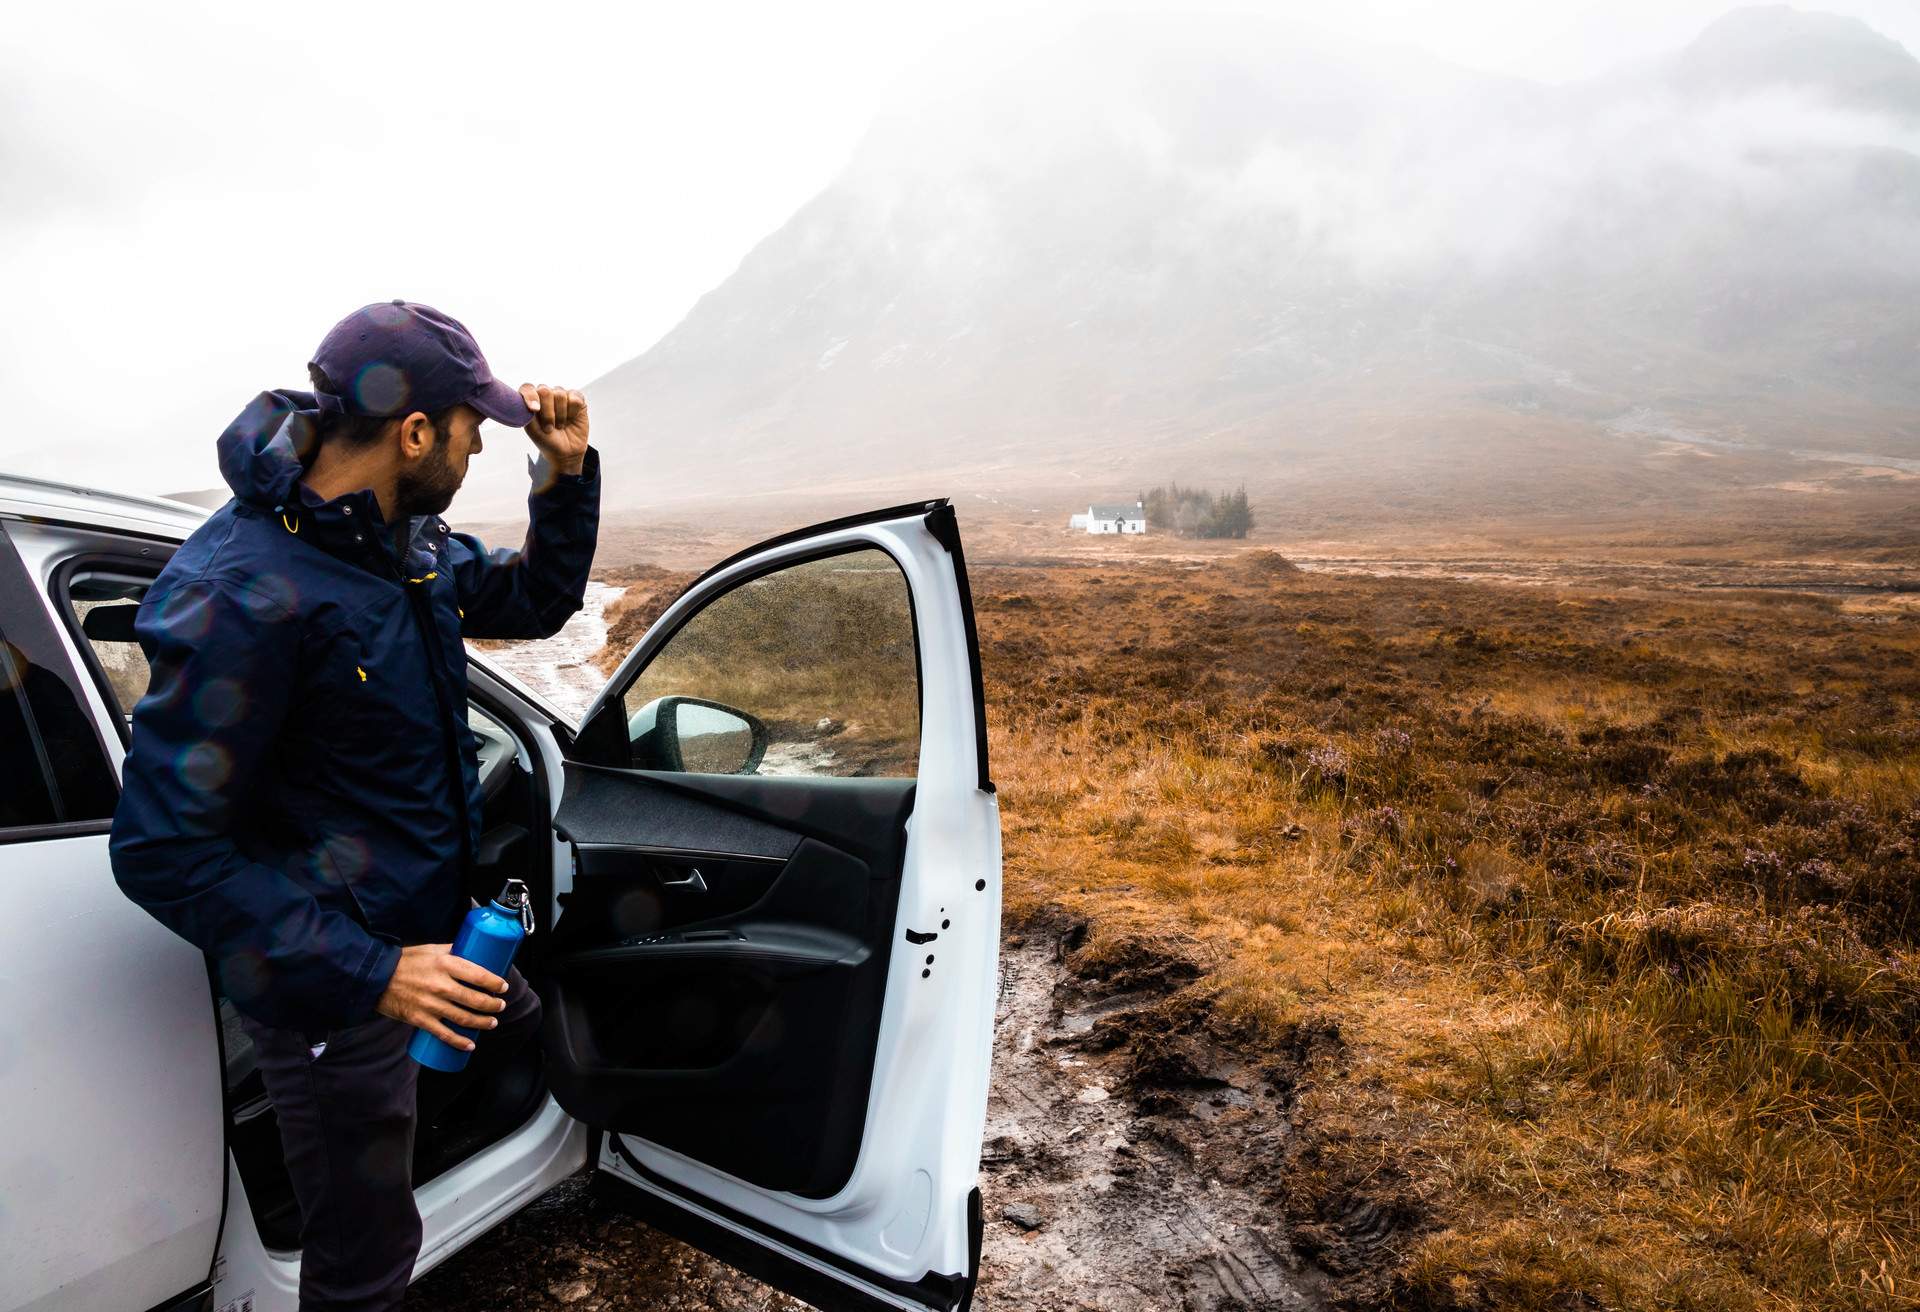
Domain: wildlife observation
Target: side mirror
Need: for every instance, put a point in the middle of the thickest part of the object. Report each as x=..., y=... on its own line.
x=695, y=736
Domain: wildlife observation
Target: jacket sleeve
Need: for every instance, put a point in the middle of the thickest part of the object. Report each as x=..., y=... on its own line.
x=529, y=593
x=222, y=660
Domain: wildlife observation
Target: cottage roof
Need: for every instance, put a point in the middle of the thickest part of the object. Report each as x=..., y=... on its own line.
x=1119, y=510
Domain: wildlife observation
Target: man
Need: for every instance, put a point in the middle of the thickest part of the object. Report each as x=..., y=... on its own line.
x=301, y=795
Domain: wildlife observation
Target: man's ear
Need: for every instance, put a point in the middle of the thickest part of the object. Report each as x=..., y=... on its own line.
x=416, y=436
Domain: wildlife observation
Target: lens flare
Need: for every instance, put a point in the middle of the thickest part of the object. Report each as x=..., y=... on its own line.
x=186, y=614
x=276, y=587
x=387, y=315
x=220, y=702
x=381, y=389
x=204, y=767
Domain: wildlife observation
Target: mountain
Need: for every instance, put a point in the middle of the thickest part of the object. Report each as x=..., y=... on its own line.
x=1774, y=46
x=1223, y=249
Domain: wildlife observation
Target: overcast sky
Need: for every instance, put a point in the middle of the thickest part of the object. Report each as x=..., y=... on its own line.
x=191, y=194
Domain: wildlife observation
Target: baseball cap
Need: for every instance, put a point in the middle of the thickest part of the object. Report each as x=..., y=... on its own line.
x=395, y=357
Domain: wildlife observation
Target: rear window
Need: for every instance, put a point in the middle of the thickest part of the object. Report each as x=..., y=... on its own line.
x=104, y=603
x=52, y=768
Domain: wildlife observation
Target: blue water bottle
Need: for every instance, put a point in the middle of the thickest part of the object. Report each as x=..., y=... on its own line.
x=488, y=938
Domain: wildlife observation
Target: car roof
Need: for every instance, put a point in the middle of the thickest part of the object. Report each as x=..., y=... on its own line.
x=72, y=503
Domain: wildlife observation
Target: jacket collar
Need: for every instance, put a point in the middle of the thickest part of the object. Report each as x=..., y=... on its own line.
x=352, y=527
x=263, y=456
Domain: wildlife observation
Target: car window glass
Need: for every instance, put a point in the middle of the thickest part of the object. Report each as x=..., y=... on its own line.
x=807, y=670
x=52, y=768
x=104, y=605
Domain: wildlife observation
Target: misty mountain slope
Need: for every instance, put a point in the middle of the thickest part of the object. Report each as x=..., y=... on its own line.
x=1775, y=46
x=1216, y=249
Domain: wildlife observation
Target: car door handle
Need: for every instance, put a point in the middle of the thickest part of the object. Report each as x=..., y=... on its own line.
x=693, y=882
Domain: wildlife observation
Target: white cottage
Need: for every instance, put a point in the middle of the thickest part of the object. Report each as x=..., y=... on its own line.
x=1116, y=517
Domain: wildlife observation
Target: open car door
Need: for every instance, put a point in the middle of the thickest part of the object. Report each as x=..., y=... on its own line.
x=770, y=987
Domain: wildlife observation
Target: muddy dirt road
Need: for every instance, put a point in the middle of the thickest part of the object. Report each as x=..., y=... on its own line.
x=1126, y=1166
x=1141, y=1151
x=561, y=668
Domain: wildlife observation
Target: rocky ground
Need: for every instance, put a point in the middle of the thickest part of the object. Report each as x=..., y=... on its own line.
x=1130, y=1163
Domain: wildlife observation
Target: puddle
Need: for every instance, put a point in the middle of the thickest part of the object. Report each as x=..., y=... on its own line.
x=798, y=758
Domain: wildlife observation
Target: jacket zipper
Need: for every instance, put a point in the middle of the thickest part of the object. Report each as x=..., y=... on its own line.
x=419, y=603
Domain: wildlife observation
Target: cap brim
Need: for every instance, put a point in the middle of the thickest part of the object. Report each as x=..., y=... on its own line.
x=502, y=404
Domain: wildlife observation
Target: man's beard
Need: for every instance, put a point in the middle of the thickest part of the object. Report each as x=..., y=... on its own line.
x=428, y=489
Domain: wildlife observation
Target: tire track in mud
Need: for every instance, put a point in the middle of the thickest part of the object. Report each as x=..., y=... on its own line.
x=1138, y=1152
x=1130, y=1163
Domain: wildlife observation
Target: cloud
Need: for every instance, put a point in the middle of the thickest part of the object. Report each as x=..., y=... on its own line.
x=1287, y=142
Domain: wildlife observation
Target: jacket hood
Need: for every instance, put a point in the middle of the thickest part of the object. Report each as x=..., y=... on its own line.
x=264, y=451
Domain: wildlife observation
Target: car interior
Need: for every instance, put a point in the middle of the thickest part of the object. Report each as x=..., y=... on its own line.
x=733, y=1019
x=103, y=592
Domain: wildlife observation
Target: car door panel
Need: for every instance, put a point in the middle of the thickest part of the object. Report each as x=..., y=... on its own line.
x=719, y=1020
x=663, y=888
x=773, y=992
x=650, y=810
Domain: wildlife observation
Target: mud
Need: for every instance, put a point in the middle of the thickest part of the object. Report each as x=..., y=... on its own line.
x=1136, y=1157
x=1144, y=1151
x=568, y=1250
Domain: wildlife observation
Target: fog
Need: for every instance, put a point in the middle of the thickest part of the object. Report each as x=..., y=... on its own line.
x=1159, y=245
x=193, y=194
x=1395, y=164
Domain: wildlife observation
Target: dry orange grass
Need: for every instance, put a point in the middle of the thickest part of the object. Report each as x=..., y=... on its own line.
x=828, y=638
x=1611, y=897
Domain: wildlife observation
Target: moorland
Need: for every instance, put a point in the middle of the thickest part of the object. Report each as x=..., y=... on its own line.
x=1608, y=894
x=1584, y=907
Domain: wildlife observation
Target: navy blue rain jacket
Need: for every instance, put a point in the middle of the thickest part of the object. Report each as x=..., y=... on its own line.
x=301, y=794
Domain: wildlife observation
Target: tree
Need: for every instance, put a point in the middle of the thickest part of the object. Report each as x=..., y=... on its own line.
x=1195, y=512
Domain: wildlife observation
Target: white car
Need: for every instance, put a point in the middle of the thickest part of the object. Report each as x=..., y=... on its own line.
x=767, y=943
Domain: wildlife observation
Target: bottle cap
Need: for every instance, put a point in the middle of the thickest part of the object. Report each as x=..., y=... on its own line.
x=514, y=897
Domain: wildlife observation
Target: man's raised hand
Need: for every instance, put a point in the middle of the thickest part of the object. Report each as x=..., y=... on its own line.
x=557, y=423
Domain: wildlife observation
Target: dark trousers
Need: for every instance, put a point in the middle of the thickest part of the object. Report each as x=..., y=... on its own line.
x=346, y=1118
